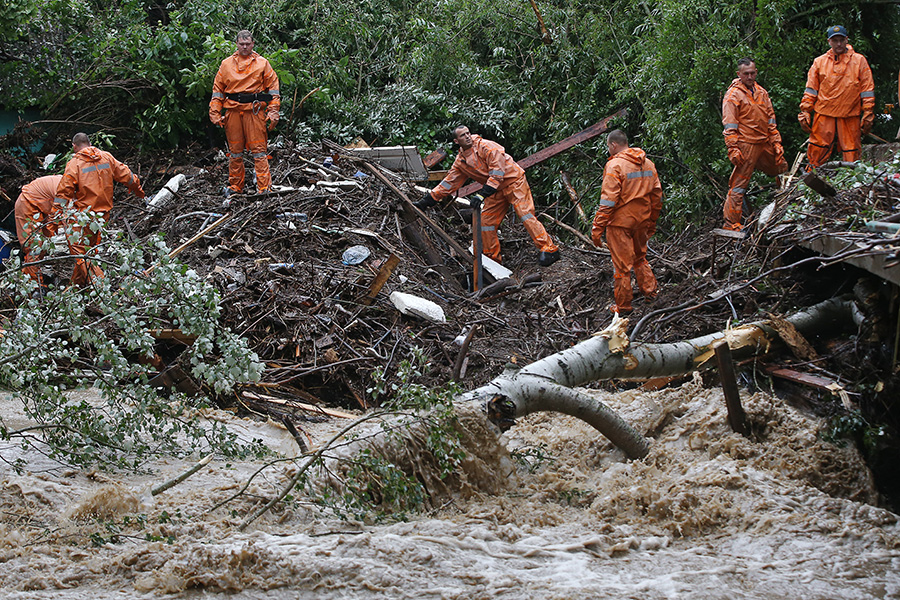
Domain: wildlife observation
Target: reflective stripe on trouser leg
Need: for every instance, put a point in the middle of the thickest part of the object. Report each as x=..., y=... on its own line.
x=492, y=213
x=234, y=134
x=821, y=140
x=621, y=250
x=849, y=138
x=518, y=193
x=646, y=281
x=738, y=182
x=257, y=142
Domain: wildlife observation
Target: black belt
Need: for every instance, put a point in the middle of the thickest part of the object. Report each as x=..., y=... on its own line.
x=247, y=98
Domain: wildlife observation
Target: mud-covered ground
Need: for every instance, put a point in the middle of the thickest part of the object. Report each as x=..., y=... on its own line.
x=547, y=510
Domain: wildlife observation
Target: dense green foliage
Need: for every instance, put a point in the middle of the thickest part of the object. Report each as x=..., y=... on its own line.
x=394, y=71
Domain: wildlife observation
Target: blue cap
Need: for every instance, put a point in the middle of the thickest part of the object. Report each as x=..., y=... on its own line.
x=836, y=30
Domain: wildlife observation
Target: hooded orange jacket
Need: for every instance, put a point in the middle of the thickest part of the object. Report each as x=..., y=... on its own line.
x=88, y=180
x=631, y=195
x=485, y=162
x=839, y=85
x=249, y=75
x=748, y=116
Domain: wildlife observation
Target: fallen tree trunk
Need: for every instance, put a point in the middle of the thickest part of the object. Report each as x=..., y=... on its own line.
x=546, y=385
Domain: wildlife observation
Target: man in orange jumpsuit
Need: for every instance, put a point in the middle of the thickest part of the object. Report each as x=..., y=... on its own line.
x=630, y=203
x=503, y=184
x=36, y=212
x=87, y=185
x=246, y=86
x=751, y=137
x=839, y=88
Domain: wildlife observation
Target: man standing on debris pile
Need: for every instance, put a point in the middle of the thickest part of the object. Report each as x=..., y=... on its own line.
x=36, y=213
x=503, y=184
x=751, y=137
x=246, y=86
x=630, y=203
x=840, y=89
x=87, y=185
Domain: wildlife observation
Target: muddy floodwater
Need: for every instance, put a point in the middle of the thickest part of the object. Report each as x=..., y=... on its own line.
x=547, y=510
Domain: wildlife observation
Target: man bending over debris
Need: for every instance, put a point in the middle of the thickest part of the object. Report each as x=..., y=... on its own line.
x=35, y=211
x=246, y=86
x=503, y=184
x=840, y=89
x=87, y=184
x=751, y=137
x=630, y=203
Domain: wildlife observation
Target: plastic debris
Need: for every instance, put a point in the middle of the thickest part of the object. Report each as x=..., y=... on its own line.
x=355, y=255
x=409, y=304
x=164, y=195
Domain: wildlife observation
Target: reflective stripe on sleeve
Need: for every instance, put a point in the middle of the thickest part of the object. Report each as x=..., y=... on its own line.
x=811, y=92
x=275, y=92
x=218, y=95
x=771, y=121
x=488, y=228
x=731, y=125
x=867, y=94
x=605, y=202
x=738, y=190
x=446, y=185
x=527, y=216
x=496, y=173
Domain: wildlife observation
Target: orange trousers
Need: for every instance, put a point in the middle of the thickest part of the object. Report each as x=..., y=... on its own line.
x=517, y=194
x=828, y=132
x=628, y=249
x=756, y=156
x=245, y=129
x=35, y=217
x=80, y=242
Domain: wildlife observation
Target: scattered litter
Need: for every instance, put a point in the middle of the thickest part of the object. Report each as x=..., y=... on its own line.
x=415, y=306
x=355, y=255
x=168, y=191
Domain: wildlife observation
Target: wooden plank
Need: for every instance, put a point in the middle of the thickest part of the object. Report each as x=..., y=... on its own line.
x=818, y=185
x=434, y=158
x=557, y=148
x=729, y=233
x=301, y=405
x=815, y=381
x=383, y=273
x=737, y=418
x=437, y=175
x=172, y=334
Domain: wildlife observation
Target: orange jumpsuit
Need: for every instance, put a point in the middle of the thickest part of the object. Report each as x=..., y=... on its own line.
x=839, y=88
x=36, y=212
x=752, y=134
x=488, y=163
x=87, y=184
x=630, y=203
x=237, y=80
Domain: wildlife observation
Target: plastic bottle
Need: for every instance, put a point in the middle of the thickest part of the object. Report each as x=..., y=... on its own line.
x=164, y=195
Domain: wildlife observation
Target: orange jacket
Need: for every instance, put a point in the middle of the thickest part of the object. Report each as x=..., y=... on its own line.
x=839, y=85
x=88, y=180
x=748, y=116
x=485, y=162
x=631, y=195
x=249, y=75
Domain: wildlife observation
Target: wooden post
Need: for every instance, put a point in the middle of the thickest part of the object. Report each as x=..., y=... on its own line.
x=383, y=273
x=737, y=419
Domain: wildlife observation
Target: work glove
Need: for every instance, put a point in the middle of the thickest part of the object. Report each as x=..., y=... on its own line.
x=597, y=238
x=866, y=121
x=486, y=190
x=273, y=117
x=218, y=120
x=140, y=193
x=805, y=120
x=426, y=202
x=476, y=199
x=735, y=156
